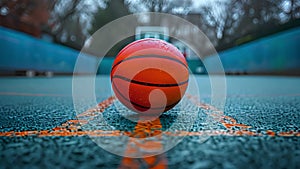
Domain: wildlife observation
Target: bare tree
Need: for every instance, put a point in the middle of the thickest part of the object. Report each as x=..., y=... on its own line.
x=167, y=6
x=222, y=17
x=238, y=21
x=290, y=10
x=71, y=20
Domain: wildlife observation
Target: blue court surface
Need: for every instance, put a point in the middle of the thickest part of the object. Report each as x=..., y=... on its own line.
x=259, y=127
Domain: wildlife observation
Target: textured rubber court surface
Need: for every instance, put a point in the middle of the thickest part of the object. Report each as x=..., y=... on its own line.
x=259, y=128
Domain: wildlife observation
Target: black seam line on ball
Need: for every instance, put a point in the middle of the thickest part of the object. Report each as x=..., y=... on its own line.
x=150, y=84
x=149, y=56
x=141, y=106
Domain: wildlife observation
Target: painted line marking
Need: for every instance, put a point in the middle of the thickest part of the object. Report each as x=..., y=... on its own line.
x=73, y=127
x=143, y=130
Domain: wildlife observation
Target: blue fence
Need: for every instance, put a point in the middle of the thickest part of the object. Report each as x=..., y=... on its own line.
x=279, y=53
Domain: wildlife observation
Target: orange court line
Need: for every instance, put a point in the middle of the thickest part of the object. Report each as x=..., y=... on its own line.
x=144, y=130
x=73, y=127
x=103, y=133
x=226, y=121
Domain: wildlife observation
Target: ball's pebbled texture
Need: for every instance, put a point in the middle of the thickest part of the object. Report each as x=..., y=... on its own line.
x=149, y=76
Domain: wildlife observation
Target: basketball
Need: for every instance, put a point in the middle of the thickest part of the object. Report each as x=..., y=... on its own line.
x=149, y=76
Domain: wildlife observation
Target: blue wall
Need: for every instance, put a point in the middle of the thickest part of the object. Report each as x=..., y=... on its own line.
x=273, y=54
x=19, y=51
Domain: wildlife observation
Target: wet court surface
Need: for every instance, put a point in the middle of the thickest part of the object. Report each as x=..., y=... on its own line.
x=259, y=127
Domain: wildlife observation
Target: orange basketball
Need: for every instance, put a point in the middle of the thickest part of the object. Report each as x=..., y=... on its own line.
x=149, y=76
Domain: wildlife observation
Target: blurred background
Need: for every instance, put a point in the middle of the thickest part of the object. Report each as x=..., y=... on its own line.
x=44, y=37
